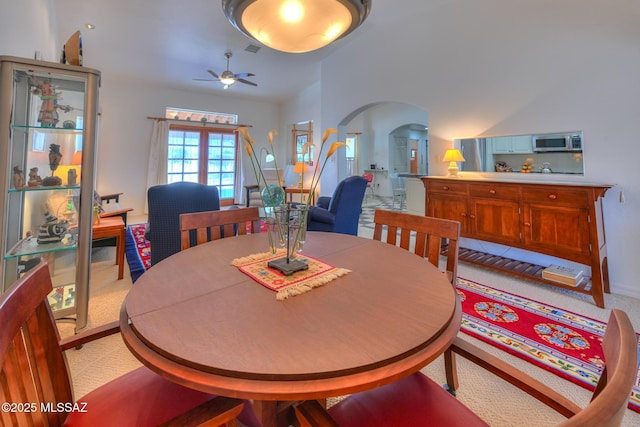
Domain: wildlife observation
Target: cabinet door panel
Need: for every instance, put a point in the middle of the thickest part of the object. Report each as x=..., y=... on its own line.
x=447, y=207
x=522, y=144
x=563, y=231
x=495, y=220
x=501, y=145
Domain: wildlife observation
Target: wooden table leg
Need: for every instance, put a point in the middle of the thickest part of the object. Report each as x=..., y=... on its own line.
x=267, y=412
x=120, y=242
x=276, y=413
x=113, y=227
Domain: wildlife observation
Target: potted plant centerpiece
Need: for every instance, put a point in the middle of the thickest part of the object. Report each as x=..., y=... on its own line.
x=286, y=223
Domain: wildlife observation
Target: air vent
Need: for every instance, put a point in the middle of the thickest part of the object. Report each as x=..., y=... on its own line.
x=253, y=48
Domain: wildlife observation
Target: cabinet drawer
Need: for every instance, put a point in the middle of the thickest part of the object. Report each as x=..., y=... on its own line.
x=448, y=187
x=556, y=196
x=494, y=191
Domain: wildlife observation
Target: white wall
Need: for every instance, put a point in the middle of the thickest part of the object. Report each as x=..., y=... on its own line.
x=38, y=18
x=376, y=123
x=125, y=131
x=305, y=107
x=513, y=67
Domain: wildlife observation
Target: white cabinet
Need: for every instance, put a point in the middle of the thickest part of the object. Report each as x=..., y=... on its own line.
x=511, y=144
x=500, y=145
x=521, y=144
x=48, y=115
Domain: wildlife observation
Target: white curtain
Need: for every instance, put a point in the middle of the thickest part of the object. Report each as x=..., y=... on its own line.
x=239, y=182
x=157, y=165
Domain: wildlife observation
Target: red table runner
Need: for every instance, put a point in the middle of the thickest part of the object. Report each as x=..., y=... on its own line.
x=318, y=274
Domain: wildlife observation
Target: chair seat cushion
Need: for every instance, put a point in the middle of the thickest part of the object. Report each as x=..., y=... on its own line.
x=412, y=401
x=141, y=398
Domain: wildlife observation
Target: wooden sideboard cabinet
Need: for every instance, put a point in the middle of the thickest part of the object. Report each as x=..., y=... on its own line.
x=561, y=220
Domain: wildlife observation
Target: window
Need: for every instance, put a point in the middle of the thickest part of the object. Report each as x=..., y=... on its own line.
x=79, y=126
x=200, y=116
x=351, y=153
x=203, y=151
x=207, y=156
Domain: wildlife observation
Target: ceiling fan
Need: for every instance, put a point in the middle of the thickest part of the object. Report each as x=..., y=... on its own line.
x=227, y=78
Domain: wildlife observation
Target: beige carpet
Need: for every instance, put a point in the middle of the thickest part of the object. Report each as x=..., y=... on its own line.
x=497, y=402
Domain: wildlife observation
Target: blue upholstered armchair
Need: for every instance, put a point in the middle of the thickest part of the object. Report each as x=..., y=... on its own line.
x=339, y=213
x=166, y=203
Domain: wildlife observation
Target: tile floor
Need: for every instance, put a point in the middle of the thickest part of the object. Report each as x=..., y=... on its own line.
x=371, y=204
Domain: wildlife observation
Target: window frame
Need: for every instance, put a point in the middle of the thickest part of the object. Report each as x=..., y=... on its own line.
x=203, y=154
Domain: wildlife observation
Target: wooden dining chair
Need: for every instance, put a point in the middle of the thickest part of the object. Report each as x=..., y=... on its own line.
x=35, y=386
x=431, y=236
x=417, y=400
x=214, y=225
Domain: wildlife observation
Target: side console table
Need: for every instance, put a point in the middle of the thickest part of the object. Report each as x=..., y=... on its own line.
x=563, y=220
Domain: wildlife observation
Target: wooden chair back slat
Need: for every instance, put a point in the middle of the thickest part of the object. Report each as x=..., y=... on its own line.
x=213, y=225
x=33, y=367
x=431, y=235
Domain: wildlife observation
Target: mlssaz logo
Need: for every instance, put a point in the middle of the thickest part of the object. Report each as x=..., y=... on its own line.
x=63, y=407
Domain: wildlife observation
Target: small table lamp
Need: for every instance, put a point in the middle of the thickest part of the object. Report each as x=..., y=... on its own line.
x=453, y=156
x=300, y=168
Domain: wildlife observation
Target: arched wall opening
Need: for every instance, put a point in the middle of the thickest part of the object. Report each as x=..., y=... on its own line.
x=386, y=134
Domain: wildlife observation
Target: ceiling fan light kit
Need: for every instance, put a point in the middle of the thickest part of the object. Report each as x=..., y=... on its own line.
x=296, y=26
x=227, y=78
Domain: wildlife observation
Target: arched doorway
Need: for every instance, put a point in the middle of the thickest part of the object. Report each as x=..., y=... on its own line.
x=408, y=146
x=378, y=129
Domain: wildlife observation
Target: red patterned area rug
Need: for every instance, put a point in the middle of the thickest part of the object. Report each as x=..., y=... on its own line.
x=562, y=342
x=137, y=250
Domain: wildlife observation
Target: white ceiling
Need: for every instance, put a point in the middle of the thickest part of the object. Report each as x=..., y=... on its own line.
x=169, y=43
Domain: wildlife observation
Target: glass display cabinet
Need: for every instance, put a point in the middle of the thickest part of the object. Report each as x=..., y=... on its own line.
x=48, y=115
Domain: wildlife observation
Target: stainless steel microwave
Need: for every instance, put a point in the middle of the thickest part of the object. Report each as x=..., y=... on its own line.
x=570, y=141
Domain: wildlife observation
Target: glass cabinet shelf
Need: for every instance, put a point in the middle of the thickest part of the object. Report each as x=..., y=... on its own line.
x=30, y=246
x=72, y=130
x=45, y=188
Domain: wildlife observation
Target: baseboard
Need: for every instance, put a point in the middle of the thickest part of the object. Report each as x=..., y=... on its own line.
x=625, y=290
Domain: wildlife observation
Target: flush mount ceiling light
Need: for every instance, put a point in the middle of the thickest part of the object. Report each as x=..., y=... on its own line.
x=296, y=26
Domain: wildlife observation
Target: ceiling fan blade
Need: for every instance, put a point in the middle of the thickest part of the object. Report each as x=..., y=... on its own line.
x=213, y=74
x=247, y=82
x=207, y=80
x=238, y=76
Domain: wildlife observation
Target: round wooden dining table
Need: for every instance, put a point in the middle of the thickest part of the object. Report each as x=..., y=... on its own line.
x=199, y=321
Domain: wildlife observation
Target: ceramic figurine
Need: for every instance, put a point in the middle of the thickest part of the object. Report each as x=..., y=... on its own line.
x=18, y=177
x=34, y=178
x=54, y=156
x=72, y=177
x=48, y=115
x=54, y=161
x=53, y=229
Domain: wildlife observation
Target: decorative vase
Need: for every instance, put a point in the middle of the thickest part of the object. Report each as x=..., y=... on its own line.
x=288, y=229
x=272, y=195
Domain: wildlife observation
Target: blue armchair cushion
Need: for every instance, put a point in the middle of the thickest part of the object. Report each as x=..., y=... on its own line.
x=323, y=202
x=166, y=203
x=341, y=212
x=321, y=215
